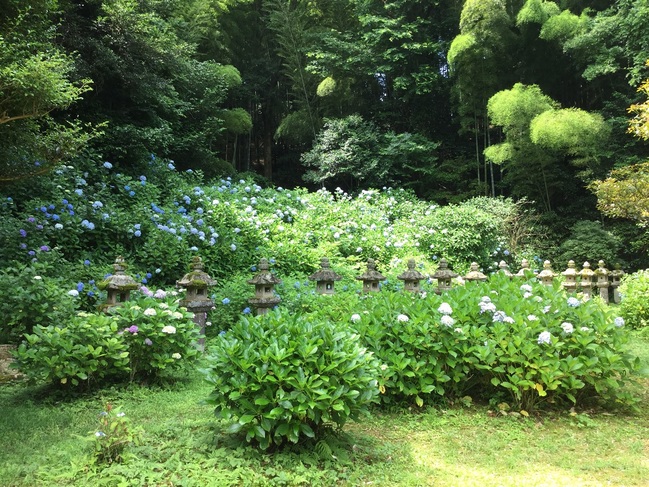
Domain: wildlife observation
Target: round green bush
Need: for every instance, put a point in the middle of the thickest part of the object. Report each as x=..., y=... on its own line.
x=86, y=350
x=283, y=377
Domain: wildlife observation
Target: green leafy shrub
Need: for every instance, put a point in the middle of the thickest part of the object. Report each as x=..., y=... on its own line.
x=420, y=355
x=113, y=435
x=634, y=306
x=31, y=298
x=282, y=377
x=159, y=334
x=86, y=349
x=516, y=340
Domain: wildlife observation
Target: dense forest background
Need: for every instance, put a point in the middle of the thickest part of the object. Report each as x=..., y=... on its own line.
x=447, y=98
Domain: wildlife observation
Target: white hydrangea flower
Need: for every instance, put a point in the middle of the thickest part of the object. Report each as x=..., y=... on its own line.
x=447, y=320
x=356, y=318
x=169, y=329
x=445, y=309
x=403, y=318
x=150, y=312
x=567, y=327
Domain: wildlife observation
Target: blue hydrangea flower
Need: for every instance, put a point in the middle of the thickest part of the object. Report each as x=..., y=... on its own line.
x=108, y=165
x=226, y=301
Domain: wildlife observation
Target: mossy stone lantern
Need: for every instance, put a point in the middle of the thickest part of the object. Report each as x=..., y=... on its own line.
x=325, y=278
x=586, y=282
x=504, y=269
x=264, y=283
x=570, y=278
x=602, y=280
x=371, y=278
x=444, y=275
x=196, y=284
x=547, y=275
x=474, y=274
x=411, y=278
x=525, y=270
x=118, y=286
x=615, y=276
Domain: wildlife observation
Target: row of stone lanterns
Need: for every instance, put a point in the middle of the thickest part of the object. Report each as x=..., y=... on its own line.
x=197, y=282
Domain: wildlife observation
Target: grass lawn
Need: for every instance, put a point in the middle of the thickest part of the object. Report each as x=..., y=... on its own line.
x=46, y=441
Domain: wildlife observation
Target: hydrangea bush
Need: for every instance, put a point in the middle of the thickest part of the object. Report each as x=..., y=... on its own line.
x=515, y=340
x=159, y=334
x=140, y=339
x=281, y=377
x=92, y=212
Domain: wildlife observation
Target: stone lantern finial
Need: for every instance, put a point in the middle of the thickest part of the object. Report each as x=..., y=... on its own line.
x=547, y=274
x=586, y=275
x=371, y=278
x=444, y=275
x=196, y=284
x=118, y=286
x=264, y=283
x=325, y=278
x=474, y=273
x=570, y=277
x=602, y=280
x=411, y=278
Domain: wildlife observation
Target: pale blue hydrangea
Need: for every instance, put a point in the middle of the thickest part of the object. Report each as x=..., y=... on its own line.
x=619, y=322
x=573, y=302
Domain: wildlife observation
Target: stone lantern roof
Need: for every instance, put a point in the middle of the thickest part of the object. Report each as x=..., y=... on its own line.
x=264, y=276
x=586, y=273
x=197, y=277
x=411, y=274
x=443, y=272
x=504, y=269
x=474, y=274
x=547, y=274
x=371, y=274
x=325, y=273
x=119, y=281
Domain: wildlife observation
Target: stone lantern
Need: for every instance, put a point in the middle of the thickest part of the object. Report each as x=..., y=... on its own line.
x=474, y=274
x=118, y=286
x=615, y=277
x=371, y=278
x=443, y=275
x=586, y=275
x=504, y=269
x=325, y=278
x=196, y=284
x=570, y=277
x=411, y=278
x=547, y=275
x=602, y=280
x=525, y=270
x=264, y=283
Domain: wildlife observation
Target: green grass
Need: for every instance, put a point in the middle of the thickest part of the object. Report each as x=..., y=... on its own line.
x=47, y=441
